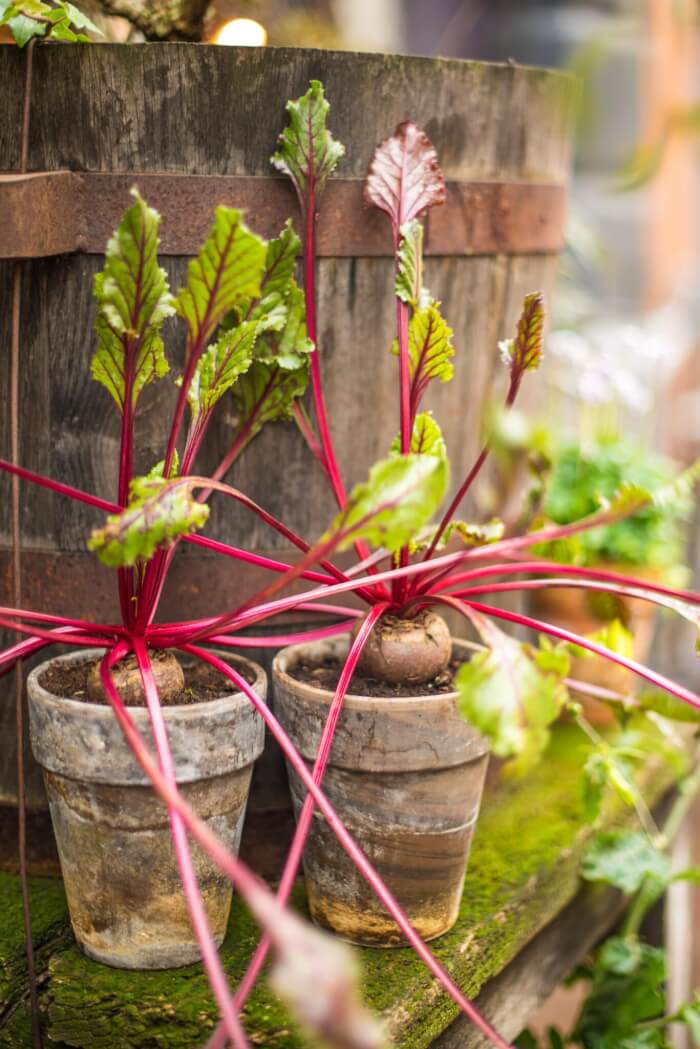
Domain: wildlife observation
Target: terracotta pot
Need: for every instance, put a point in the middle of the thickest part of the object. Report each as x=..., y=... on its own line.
x=121, y=878
x=406, y=777
x=584, y=612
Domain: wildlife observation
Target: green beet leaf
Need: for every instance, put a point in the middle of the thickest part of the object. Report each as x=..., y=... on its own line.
x=391, y=507
x=266, y=393
x=625, y=859
x=524, y=352
x=227, y=271
x=306, y=150
x=510, y=697
x=430, y=348
x=159, y=512
x=426, y=438
x=220, y=367
x=283, y=339
x=133, y=300
x=409, y=278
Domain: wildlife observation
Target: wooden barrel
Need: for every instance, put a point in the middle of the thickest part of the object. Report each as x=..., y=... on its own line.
x=158, y=115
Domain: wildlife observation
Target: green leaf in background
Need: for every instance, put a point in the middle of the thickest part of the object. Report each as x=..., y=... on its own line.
x=613, y=635
x=430, y=348
x=690, y=1015
x=391, y=507
x=625, y=859
x=582, y=476
x=133, y=300
x=60, y=21
x=409, y=278
x=227, y=271
x=220, y=366
x=159, y=512
x=306, y=150
x=511, y=696
x=667, y=706
x=627, y=989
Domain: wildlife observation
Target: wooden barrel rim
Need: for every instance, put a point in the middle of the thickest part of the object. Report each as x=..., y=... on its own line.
x=53, y=213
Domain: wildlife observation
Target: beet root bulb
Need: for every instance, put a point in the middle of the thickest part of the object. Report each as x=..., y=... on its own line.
x=407, y=651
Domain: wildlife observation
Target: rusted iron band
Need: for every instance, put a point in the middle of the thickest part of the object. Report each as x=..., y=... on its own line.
x=53, y=213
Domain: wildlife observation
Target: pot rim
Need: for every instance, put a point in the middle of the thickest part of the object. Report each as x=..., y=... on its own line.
x=280, y=673
x=172, y=712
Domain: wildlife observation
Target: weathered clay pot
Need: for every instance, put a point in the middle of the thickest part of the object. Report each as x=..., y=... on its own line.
x=120, y=874
x=406, y=777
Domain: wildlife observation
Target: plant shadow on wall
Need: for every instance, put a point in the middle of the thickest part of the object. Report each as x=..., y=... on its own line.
x=251, y=341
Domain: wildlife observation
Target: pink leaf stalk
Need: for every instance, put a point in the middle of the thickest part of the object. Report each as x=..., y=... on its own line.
x=190, y=885
x=293, y=860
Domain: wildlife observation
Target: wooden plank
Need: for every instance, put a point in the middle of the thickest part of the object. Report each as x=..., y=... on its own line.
x=514, y=995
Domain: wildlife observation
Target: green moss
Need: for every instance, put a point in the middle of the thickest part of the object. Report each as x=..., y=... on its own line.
x=49, y=924
x=523, y=870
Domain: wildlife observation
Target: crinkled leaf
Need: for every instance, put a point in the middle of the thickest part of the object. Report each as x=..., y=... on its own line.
x=509, y=697
x=306, y=150
x=404, y=178
x=159, y=512
x=409, y=278
x=266, y=393
x=228, y=270
x=220, y=367
x=627, y=988
x=472, y=533
x=430, y=349
x=524, y=352
x=280, y=260
x=388, y=509
x=285, y=343
x=426, y=438
x=625, y=859
x=133, y=300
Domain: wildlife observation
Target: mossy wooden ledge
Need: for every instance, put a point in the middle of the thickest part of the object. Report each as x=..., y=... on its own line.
x=523, y=874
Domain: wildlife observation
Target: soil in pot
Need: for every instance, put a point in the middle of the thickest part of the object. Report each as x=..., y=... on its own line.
x=121, y=878
x=406, y=775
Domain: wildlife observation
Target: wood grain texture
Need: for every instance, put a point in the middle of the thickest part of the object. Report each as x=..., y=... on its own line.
x=206, y=110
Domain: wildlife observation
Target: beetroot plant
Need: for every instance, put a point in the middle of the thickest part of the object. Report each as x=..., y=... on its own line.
x=251, y=339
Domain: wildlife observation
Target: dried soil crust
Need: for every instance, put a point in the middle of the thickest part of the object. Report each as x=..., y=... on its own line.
x=327, y=675
x=202, y=683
